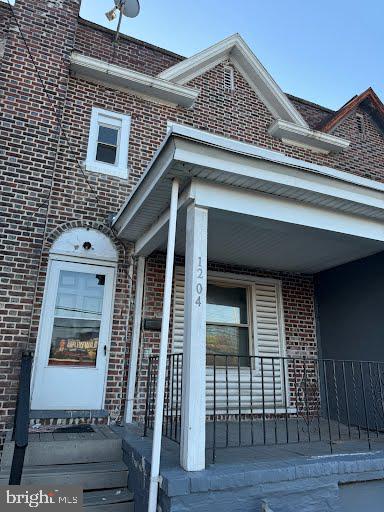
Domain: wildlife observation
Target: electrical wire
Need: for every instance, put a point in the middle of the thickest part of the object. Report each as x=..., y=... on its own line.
x=51, y=102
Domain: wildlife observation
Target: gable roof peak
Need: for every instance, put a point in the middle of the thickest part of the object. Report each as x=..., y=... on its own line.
x=366, y=97
x=236, y=49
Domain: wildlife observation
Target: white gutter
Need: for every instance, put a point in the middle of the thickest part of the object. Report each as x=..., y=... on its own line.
x=123, y=78
x=158, y=426
x=303, y=136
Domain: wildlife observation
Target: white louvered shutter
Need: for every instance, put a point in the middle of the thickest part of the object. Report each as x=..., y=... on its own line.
x=269, y=343
x=178, y=310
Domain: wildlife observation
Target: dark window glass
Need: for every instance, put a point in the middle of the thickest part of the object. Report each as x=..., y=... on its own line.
x=108, y=135
x=226, y=305
x=107, y=145
x=106, y=153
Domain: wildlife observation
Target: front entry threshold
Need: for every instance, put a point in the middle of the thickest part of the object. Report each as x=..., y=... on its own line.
x=89, y=414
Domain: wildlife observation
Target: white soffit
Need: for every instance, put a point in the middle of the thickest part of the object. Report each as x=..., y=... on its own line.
x=122, y=78
x=290, y=126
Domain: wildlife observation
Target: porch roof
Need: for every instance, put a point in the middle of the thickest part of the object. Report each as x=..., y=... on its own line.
x=266, y=209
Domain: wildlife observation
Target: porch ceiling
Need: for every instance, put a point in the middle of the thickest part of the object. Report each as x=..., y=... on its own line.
x=255, y=242
x=285, y=214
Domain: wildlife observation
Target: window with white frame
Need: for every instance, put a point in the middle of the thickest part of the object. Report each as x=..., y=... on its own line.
x=108, y=143
x=228, y=323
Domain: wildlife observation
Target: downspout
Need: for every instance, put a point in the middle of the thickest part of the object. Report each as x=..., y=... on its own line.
x=136, y=331
x=158, y=426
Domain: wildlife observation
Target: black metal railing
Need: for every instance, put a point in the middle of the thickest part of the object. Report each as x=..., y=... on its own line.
x=262, y=400
x=172, y=396
x=21, y=421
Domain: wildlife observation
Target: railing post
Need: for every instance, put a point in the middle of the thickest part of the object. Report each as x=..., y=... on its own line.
x=147, y=401
x=192, y=445
x=21, y=425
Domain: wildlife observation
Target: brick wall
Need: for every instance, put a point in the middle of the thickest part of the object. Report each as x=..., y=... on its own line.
x=4, y=26
x=37, y=163
x=28, y=145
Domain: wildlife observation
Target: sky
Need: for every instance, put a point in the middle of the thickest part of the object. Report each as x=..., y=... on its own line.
x=325, y=51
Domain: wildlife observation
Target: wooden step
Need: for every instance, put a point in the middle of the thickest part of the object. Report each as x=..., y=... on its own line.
x=66, y=451
x=101, y=475
x=112, y=500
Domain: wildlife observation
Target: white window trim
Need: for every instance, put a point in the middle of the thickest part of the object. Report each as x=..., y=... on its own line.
x=237, y=283
x=123, y=121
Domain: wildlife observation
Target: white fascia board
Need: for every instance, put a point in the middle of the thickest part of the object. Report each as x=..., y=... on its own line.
x=320, y=141
x=268, y=89
x=199, y=63
x=246, y=149
x=267, y=206
x=236, y=49
x=122, y=78
x=237, y=166
x=158, y=167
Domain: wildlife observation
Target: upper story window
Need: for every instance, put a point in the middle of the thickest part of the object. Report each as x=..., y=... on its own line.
x=108, y=143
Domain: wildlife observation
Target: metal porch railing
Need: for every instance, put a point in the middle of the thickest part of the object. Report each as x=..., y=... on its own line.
x=260, y=400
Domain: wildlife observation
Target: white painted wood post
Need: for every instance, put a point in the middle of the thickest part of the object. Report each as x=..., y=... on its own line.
x=158, y=424
x=136, y=332
x=192, y=446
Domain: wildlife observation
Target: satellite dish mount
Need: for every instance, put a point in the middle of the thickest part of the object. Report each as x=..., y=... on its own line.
x=129, y=8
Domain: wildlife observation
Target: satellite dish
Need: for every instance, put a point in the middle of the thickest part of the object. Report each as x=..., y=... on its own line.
x=129, y=8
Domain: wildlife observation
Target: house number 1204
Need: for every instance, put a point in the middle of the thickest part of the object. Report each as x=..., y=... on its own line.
x=199, y=286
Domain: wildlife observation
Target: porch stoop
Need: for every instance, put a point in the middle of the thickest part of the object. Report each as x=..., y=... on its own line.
x=92, y=460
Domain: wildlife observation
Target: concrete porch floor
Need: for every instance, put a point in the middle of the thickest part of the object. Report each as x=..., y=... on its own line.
x=242, y=478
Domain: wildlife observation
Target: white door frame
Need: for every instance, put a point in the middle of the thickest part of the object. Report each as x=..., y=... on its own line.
x=49, y=298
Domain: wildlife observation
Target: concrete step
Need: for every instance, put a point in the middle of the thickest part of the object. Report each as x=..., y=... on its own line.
x=66, y=451
x=112, y=500
x=101, y=475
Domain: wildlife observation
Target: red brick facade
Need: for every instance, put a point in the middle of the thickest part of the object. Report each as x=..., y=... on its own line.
x=44, y=192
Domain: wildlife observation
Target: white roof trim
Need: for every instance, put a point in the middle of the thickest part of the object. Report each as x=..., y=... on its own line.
x=122, y=78
x=268, y=154
x=298, y=135
x=185, y=145
x=235, y=49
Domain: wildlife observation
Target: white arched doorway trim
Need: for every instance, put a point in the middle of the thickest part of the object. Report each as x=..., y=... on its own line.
x=72, y=351
x=74, y=244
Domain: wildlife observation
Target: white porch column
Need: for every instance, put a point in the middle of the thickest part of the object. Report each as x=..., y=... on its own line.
x=192, y=447
x=158, y=426
x=136, y=331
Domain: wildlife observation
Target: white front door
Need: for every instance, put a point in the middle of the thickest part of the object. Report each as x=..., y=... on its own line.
x=74, y=334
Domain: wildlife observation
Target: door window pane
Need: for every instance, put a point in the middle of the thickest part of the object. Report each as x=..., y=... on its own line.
x=227, y=325
x=76, y=327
